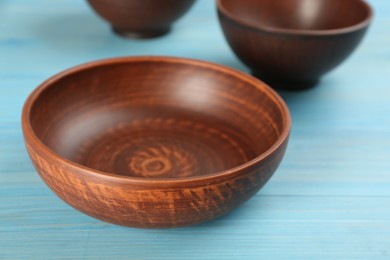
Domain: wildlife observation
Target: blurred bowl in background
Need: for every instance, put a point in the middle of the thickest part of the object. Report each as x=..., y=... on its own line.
x=290, y=44
x=141, y=18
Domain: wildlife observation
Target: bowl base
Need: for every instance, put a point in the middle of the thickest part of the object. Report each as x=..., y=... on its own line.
x=287, y=84
x=141, y=34
x=165, y=148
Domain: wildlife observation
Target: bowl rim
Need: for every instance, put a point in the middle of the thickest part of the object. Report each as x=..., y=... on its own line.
x=270, y=29
x=32, y=139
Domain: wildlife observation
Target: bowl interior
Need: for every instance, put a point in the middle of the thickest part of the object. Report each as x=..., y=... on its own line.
x=299, y=14
x=155, y=119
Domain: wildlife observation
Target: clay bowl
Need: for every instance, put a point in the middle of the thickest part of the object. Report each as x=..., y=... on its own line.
x=290, y=44
x=155, y=142
x=141, y=18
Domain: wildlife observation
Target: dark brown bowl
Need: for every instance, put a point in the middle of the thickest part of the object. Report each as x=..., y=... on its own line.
x=141, y=18
x=153, y=141
x=291, y=43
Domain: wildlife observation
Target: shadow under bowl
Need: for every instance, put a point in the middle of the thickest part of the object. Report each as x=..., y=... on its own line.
x=155, y=141
x=290, y=44
x=141, y=19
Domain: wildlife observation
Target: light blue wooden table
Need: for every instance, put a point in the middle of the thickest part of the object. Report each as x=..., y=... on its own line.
x=330, y=199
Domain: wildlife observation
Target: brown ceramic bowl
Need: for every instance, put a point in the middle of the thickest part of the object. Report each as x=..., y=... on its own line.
x=291, y=43
x=155, y=142
x=141, y=18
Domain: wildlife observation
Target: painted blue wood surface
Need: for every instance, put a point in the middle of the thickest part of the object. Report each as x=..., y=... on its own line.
x=330, y=199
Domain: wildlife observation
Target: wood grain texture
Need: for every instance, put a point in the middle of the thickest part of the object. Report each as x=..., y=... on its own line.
x=141, y=19
x=291, y=44
x=153, y=141
x=328, y=199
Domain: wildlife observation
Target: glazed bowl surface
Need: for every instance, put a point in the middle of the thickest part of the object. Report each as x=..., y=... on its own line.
x=290, y=44
x=141, y=19
x=155, y=141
